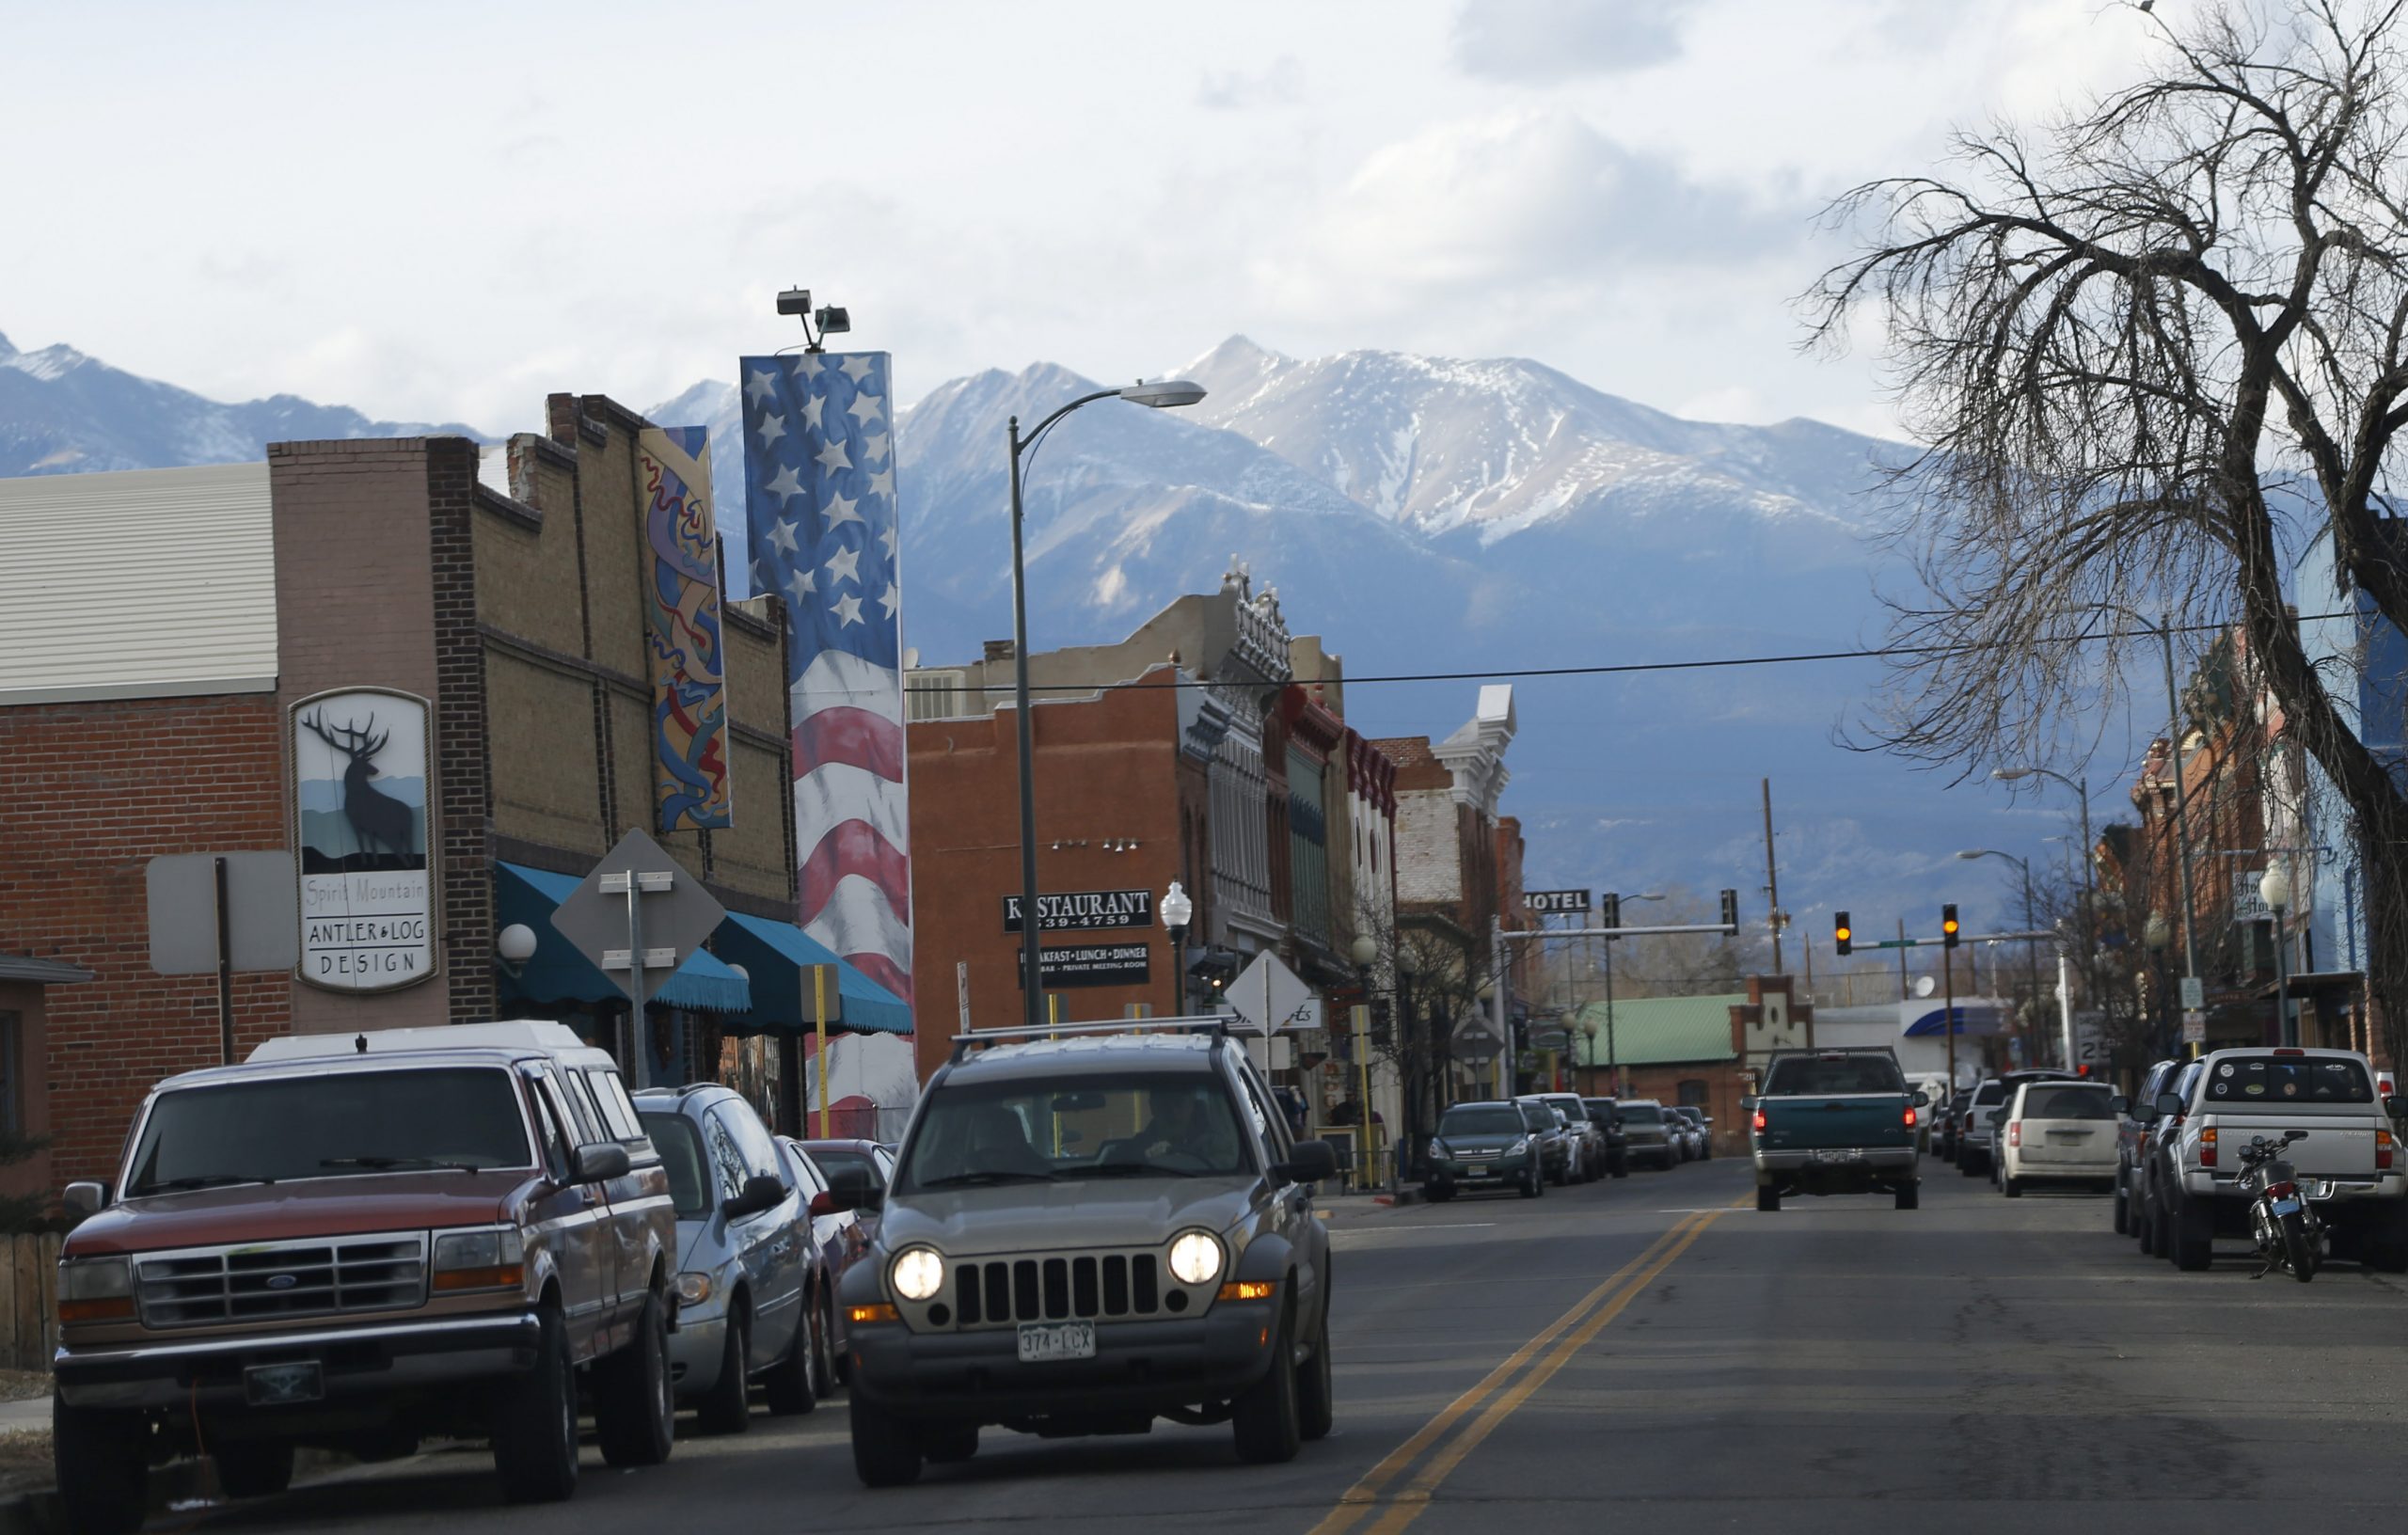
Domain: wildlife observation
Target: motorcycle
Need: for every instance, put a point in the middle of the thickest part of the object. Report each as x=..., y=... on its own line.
x=2281, y=1216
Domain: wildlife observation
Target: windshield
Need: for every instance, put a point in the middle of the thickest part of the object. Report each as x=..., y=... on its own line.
x=1798, y=1076
x=1989, y=1092
x=2296, y=1079
x=1642, y=1114
x=330, y=1124
x=681, y=1157
x=1481, y=1119
x=1152, y=1126
x=2066, y=1103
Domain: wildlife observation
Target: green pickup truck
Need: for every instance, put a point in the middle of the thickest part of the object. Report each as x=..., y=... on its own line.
x=1835, y=1121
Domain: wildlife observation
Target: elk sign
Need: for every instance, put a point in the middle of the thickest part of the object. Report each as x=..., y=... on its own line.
x=359, y=827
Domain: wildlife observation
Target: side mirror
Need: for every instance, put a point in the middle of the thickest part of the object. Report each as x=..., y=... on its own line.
x=2392, y=1106
x=1923, y=1100
x=83, y=1200
x=760, y=1191
x=824, y=1203
x=2169, y=1104
x=2119, y=1104
x=1308, y=1162
x=599, y=1162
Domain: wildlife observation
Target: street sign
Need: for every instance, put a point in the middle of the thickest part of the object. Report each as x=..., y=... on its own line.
x=1475, y=1044
x=1085, y=910
x=2194, y=1028
x=1268, y=997
x=1554, y=902
x=2194, y=994
x=672, y=913
x=260, y=930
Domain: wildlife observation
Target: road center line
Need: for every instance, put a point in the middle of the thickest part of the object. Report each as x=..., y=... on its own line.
x=1361, y=1498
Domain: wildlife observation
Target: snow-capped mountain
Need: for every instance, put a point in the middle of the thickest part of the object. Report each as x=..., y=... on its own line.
x=63, y=412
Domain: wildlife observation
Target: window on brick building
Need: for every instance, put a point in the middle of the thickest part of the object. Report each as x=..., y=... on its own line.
x=1691, y=1094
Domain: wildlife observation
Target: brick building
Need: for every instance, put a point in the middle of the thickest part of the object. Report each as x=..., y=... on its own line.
x=193, y=614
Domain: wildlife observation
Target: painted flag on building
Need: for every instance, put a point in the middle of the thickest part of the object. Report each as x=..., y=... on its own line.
x=682, y=628
x=819, y=467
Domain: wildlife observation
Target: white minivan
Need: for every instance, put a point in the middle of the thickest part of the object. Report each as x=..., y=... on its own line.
x=2057, y=1133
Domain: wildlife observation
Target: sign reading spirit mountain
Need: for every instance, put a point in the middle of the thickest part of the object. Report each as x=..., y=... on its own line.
x=359, y=826
x=1085, y=910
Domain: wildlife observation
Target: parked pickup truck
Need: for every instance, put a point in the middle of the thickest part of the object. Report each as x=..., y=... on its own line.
x=2348, y=1161
x=1835, y=1121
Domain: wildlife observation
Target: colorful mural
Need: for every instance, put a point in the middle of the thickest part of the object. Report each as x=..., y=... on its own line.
x=689, y=669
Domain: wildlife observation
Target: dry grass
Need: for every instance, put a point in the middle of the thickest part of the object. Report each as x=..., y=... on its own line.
x=24, y=1385
x=24, y=1459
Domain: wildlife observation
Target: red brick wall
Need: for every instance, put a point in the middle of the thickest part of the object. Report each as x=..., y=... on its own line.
x=1725, y=1085
x=88, y=794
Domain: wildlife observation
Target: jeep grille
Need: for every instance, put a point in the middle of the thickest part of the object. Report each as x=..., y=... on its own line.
x=1002, y=1291
x=282, y=1280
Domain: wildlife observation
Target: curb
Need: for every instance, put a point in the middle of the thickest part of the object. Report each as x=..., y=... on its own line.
x=1401, y=1197
x=178, y=1484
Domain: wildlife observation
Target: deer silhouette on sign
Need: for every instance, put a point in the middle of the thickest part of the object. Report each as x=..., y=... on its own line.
x=375, y=817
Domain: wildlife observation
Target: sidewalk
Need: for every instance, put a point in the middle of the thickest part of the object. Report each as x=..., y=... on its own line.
x=31, y=1412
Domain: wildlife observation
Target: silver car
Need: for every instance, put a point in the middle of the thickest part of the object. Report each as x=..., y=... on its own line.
x=1085, y=1235
x=744, y=1257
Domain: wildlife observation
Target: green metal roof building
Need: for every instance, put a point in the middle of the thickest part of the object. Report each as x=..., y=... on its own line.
x=1657, y=1031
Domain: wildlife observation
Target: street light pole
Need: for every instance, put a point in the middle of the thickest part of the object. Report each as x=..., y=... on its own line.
x=2031, y=945
x=1160, y=396
x=2274, y=889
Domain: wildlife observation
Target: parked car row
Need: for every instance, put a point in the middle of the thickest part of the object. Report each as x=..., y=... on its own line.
x=1527, y=1143
x=356, y=1241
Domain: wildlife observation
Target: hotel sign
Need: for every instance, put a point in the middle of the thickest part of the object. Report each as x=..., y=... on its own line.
x=360, y=839
x=1085, y=910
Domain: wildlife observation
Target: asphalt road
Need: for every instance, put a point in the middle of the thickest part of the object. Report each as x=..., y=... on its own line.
x=1653, y=1348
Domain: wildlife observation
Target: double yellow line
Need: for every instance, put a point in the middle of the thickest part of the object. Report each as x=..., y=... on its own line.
x=1494, y=1401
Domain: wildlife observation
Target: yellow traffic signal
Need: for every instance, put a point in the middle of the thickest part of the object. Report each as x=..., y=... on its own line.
x=1947, y=927
x=1842, y=934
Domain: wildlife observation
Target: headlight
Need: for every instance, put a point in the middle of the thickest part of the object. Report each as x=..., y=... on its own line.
x=95, y=1290
x=693, y=1288
x=1518, y=1146
x=918, y=1274
x=1196, y=1257
x=1440, y=1149
x=492, y=1259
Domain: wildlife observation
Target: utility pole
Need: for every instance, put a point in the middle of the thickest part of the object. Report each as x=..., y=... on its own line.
x=1772, y=882
x=1906, y=989
x=1947, y=1007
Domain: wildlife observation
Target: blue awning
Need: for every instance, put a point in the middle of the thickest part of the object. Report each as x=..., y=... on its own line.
x=558, y=972
x=781, y=949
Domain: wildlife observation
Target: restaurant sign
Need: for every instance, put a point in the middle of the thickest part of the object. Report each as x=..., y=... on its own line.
x=1085, y=910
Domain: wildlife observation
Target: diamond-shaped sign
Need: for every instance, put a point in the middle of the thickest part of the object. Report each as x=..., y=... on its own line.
x=675, y=915
x=1475, y=1044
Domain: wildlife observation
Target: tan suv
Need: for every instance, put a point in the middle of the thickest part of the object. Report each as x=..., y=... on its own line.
x=353, y=1241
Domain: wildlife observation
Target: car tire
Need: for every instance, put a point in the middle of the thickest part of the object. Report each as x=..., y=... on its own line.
x=634, y=1401
x=1437, y=1193
x=2193, y=1231
x=1266, y=1418
x=2123, y=1210
x=103, y=1463
x=1316, y=1395
x=789, y=1388
x=886, y=1453
x=948, y=1444
x=1767, y=1198
x=1621, y=1167
x=2011, y=1187
x=727, y=1406
x=823, y=1349
x=2145, y=1229
x=253, y=1467
x=2384, y=1247
x=1909, y=1196
x=534, y=1427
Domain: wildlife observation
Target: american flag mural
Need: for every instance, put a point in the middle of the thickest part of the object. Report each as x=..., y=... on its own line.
x=819, y=472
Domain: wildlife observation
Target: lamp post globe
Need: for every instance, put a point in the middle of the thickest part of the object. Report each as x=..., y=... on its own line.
x=2158, y=934
x=1177, y=912
x=515, y=943
x=2274, y=889
x=1365, y=951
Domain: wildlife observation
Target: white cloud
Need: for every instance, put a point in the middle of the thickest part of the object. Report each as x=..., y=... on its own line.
x=1558, y=40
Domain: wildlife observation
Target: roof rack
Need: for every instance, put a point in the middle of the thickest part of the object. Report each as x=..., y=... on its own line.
x=1216, y=1023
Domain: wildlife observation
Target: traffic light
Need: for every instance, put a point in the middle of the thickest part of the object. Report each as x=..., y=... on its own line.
x=1731, y=912
x=1609, y=910
x=1947, y=927
x=1842, y=936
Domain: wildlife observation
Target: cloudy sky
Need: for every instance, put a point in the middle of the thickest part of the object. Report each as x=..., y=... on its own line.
x=446, y=214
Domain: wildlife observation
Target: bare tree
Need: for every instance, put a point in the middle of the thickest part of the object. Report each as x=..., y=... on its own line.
x=2149, y=349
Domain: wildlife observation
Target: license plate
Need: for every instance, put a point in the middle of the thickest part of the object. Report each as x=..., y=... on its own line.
x=1478, y=1169
x=1840, y=1154
x=1040, y=1341
x=2286, y=1207
x=276, y=1386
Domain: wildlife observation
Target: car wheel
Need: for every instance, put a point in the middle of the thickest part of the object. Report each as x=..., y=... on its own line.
x=823, y=1349
x=1437, y=1193
x=789, y=1385
x=2123, y=1209
x=1265, y=1417
x=534, y=1427
x=1909, y=1196
x=2193, y=1237
x=2384, y=1247
x=103, y=1463
x=634, y=1415
x=1316, y=1400
x=1622, y=1166
x=727, y=1406
x=2145, y=1229
x=254, y=1467
x=2012, y=1187
x=948, y=1444
x=886, y=1453
x=1767, y=1198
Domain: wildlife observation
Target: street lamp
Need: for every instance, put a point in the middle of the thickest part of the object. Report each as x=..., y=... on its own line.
x=1162, y=394
x=1589, y=1027
x=1613, y=1058
x=2031, y=946
x=2276, y=890
x=1177, y=911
